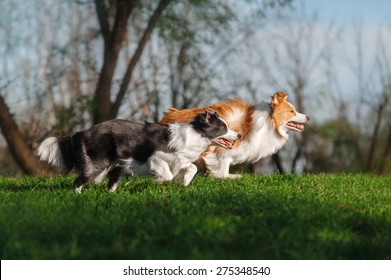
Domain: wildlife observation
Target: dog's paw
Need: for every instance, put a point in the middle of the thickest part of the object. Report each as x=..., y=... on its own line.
x=161, y=179
x=112, y=188
x=234, y=176
x=187, y=179
x=185, y=176
x=78, y=190
x=225, y=176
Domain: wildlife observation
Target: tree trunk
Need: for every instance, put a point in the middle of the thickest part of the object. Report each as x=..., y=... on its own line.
x=297, y=156
x=112, y=45
x=277, y=161
x=372, y=147
x=386, y=153
x=136, y=57
x=21, y=152
x=104, y=109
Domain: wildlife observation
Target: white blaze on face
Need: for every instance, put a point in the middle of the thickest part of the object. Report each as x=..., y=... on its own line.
x=287, y=118
x=297, y=122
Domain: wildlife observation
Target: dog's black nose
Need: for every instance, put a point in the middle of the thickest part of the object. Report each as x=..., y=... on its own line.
x=308, y=118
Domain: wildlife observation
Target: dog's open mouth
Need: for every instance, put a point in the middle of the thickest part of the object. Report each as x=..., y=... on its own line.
x=295, y=125
x=224, y=143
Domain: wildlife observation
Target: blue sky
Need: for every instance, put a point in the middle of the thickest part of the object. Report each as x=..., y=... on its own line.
x=371, y=13
x=348, y=11
x=357, y=25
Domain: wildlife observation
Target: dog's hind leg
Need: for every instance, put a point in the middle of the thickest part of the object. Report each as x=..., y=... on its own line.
x=114, y=175
x=80, y=182
x=99, y=176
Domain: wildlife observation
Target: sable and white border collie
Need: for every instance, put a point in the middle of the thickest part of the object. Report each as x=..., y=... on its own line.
x=264, y=130
x=114, y=147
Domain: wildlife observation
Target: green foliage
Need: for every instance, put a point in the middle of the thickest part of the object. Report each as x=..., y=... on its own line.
x=336, y=147
x=256, y=217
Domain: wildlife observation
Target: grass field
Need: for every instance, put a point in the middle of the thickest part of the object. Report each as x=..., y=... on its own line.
x=256, y=217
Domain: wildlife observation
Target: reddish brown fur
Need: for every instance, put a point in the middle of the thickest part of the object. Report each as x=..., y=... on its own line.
x=282, y=110
x=240, y=122
x=237, y=113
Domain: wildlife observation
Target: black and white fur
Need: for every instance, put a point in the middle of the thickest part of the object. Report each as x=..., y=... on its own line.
x=117, y=146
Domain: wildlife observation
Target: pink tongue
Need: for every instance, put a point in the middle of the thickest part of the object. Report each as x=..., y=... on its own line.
x=297, y=125
x=225, y=143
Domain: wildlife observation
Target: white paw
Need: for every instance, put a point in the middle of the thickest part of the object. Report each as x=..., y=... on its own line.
x=187, y=179
x=78, y=190
x=234, y=176
x=225, y=176
x=161, y=179
x=113, y=188
x=185, y=176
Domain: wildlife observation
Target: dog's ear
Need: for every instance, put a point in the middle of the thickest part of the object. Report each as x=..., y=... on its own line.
x=278, y=98
x=210, y=114
x=205, y=117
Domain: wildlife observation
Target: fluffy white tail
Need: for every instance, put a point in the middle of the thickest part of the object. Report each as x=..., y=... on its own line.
x=49, y=150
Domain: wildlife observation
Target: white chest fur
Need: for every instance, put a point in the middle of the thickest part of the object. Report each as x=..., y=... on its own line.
x=186, y=142
x=262, y=142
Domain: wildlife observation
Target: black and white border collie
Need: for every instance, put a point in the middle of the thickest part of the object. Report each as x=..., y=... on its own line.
x=115, y=147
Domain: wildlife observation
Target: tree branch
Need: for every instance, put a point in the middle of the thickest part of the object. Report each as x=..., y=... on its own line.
x=21, y=152
x=277, y=161
x=386, y=153
x=375, y=134
x=136, y=57
x=102, y=98
x=102, y=14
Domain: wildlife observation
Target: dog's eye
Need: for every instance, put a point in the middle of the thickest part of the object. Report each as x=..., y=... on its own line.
x=292, y=111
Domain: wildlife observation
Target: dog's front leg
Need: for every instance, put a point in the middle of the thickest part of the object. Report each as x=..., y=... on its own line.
x=217, y=166
x=190, y=172
x=159, y=169
x=186, y=174
x=162, y=173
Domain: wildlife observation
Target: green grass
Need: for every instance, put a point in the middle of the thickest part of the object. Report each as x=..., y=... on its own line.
x=256, y=217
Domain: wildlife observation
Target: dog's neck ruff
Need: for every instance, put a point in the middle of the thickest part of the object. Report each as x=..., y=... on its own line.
x=185, y=140
x=263, y=141
x=265, y=107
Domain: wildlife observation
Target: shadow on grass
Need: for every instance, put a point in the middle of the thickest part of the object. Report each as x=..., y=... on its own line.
x=28, y=183
x=145, y=220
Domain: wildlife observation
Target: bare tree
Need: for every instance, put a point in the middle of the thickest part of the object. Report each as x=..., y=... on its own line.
x=18, y=147
x=113, y=37
x=181, y=66
x=372, y=76
x=60, y=78
x=383, y=107
x=67, y=78
x=292, y=60
x=386, y=154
